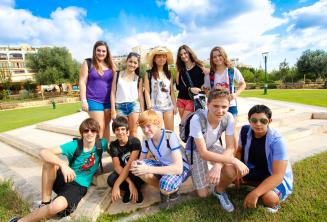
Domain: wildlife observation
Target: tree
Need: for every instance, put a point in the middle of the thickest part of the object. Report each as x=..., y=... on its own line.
x=313, y=64
x=5, y=78
x=53, y=66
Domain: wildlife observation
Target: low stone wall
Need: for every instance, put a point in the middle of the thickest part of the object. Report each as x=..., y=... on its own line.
x=38, y=103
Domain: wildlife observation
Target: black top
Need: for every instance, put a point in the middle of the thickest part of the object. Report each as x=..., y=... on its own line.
x=124, y=152
x=197, y=77
x=257, y=160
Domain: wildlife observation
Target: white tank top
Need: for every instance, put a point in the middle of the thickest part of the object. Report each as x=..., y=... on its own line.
x=160, y=93
x=127, y=91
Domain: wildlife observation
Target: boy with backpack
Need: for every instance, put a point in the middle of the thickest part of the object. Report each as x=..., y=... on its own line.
x=169, y=169
x=203, y=145
x=124, y=151
x=263, y=150
x=69, y=181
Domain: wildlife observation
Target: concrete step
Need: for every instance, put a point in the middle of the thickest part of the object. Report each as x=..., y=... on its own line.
x=23, y=170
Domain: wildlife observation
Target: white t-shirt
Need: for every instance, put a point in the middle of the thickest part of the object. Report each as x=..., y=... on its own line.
x=212, y=134
x=222, y=80
x=127, y=91
x=162, y=152
x=160, y=94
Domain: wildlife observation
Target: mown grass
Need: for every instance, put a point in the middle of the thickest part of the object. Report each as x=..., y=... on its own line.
x=316, y=97
x=307, y=203
x=10, y=204
x=12, y=119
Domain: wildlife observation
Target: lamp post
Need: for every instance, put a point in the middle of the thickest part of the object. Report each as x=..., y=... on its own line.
x=265, y=88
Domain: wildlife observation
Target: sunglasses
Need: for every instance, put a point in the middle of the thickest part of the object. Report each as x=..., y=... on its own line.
x=88, y=130
x=134, y=54
x=263, y=120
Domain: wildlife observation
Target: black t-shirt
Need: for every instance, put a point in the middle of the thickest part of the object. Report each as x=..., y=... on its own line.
x=124, y=152
x=197, y=77
x=257, y=160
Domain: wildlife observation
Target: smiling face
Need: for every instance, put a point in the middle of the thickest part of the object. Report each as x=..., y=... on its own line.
x=160, y=59
x=121, y=133
x=89, y=135
x=218, y=107
x=259, y=123
x=132, y=64
x=217, y=58
x=185, y=56
x=101, y=52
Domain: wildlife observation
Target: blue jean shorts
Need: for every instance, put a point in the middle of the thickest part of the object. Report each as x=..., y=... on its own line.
x=125, y=109
x=233, y=110
x=97, y=106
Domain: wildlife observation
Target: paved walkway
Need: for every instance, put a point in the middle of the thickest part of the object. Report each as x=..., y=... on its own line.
x=19, y=150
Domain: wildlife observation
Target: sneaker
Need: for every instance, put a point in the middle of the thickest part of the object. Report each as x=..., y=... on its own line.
x=174, y=196
x=14, y=219
x=273, y=209
x=126, y=197
x=164, y=198
x=224, y=201
x=42, y=204
x=140, y=197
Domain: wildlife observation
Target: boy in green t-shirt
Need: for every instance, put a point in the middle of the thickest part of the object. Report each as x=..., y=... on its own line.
x=69, y=181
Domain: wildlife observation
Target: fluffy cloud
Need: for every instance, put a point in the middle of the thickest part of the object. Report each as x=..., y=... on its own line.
x=65, y=27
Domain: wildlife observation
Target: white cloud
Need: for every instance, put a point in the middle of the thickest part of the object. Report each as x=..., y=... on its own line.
x=65, y=27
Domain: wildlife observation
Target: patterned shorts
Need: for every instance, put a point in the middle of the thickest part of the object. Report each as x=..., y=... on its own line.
x=169, y=182
x=200, y=167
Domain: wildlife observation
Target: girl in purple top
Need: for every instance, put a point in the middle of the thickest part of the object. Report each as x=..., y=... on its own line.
x=95, y=86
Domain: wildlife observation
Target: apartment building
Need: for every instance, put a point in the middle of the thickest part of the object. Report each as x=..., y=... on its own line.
x=12, y=60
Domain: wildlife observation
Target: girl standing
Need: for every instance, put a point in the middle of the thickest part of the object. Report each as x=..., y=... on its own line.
x=96, y=76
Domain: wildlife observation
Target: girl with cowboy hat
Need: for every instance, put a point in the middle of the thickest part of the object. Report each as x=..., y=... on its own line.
x=158, y=85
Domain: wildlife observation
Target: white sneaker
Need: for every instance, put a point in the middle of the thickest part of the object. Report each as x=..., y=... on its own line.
x=224, y=201
x=273, y=209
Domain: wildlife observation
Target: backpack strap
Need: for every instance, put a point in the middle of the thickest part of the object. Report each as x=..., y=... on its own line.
x=149, y=78
x=99, y=151
x=244, y=132
x=203, y=123
x=78, y=151
x=231, y=72
x=212, y=79
x=117, y=80
x=89, y=64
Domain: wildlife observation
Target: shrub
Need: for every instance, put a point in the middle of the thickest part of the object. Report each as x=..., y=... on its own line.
x=23, y=94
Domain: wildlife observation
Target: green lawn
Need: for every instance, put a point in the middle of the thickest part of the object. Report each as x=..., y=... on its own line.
x=307, y=203
x=11, y=205
x=316, y=97
x=12, y=119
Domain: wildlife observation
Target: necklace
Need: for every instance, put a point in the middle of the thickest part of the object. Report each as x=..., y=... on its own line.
x=189, y=66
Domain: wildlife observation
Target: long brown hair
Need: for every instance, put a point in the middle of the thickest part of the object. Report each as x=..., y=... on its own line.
x=223, y=53
x=180, y=65
x=107, y=60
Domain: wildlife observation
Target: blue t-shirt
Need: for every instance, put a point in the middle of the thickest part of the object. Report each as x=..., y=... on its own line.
x=86, y=163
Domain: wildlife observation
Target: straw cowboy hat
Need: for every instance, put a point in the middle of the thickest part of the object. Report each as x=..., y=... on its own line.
x=160, y=50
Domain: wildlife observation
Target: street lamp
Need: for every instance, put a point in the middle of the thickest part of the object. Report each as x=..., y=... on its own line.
x=265, y=55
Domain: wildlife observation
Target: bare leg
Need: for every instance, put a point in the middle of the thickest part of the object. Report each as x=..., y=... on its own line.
x=47, y=211
x=49, y=172
x=132, y=123
x=228, y=175
x=270, y=199
x=150, y=179
x=186, y=112
x=202, y=192
x=99, y=116
x=107, y=119
x=168, y=118
x=180, y=112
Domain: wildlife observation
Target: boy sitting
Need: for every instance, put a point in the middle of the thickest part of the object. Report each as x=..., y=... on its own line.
x=69, y=182
x=168, y=170
x=263, y=150
x=124, y=151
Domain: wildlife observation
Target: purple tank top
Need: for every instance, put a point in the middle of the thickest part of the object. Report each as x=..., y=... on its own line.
x=98, y=87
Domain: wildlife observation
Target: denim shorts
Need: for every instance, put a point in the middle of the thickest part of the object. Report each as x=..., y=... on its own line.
x=125, y=109
x=233, y=110
x=97, y=106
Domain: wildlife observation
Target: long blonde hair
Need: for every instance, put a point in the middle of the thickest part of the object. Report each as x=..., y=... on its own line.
x=223, y=53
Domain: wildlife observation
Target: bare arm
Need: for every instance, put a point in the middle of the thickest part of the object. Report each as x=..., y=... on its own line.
x=177, y=77
x=240, y=88
x=172, y=94
x=147, y=91
x=51, y=155
x=140, y=92
x=113, y=96
x=82, y=85
x=175, y=169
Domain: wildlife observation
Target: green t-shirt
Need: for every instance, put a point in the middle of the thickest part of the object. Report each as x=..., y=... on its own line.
x=86, y=163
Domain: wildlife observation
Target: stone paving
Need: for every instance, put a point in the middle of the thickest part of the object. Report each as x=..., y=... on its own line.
x=303, y=127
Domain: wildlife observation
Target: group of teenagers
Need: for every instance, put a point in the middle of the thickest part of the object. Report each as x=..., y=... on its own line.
x=213, y=155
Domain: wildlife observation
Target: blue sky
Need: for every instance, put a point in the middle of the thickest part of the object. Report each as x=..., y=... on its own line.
x=245, y=28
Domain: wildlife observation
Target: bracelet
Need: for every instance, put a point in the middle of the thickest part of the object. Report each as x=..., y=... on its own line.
x=83, y=101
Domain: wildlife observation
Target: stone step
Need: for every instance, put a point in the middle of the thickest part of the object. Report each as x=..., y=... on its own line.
x=308, y=146
x=23, y=170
